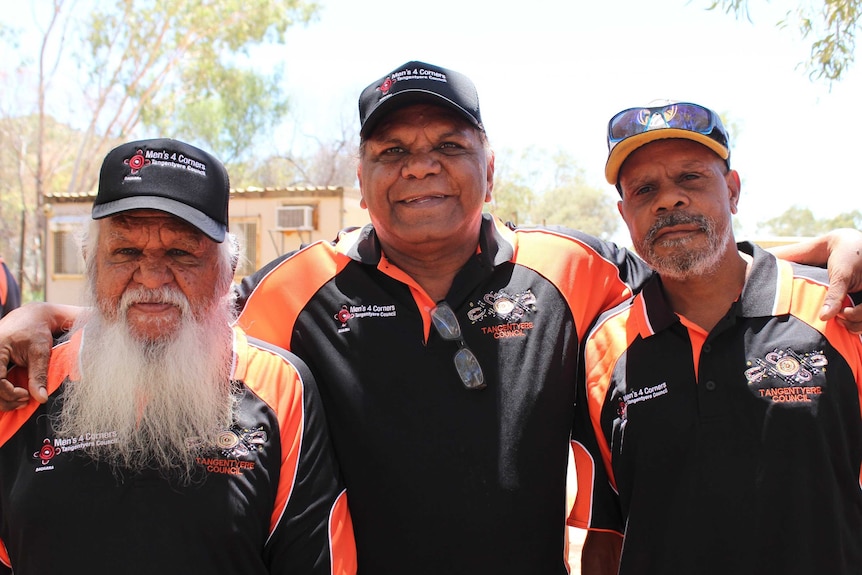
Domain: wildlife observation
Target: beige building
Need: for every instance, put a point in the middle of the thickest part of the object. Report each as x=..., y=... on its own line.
x=268, y=222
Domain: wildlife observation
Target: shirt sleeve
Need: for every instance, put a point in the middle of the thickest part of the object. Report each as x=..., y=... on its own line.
x=596, y=504
x=244, y=289
x=593, y=275
x=633, y=271
x=311, y=529
x=5, y=564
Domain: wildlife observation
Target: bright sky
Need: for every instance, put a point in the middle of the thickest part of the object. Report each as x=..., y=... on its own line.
x=550, y=73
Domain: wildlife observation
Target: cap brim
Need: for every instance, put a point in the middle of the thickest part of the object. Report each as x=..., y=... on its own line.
x=625, y=148
x=409, y=97
x=201, y=221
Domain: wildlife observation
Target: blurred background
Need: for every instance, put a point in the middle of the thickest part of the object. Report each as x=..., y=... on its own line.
x=271, y=87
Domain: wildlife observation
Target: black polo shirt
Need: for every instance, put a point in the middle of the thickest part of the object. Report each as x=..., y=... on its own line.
x=268, y=500
x=443, y=479
x=737, y=451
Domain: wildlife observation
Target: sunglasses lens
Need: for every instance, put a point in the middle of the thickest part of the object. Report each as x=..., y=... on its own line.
x=469, y=369
x=446, y=323
x=689, y=117
x=628, y=123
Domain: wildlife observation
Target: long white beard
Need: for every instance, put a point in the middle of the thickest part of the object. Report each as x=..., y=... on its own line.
x=163, y=398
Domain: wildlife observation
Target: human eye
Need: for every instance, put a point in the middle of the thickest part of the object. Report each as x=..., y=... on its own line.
x=124, y=253
x=642, y=190
x=693, y=180
x=390, y=153
x=185, y=256
x=450, y=146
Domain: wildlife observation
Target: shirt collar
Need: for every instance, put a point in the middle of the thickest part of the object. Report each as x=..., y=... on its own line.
x=767, y=292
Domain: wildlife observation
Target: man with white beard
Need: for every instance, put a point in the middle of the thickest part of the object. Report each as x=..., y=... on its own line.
x=171, y=442
x=719, y=424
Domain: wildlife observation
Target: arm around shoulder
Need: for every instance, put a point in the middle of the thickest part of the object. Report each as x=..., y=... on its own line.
x=841, y=251
x=26, y=339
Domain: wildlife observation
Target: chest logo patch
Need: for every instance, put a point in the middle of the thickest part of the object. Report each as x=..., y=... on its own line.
x=784, y=375
x=48, y=452
x=235, y=445
x=510, y=309
x=349, y=313
x=502, y=305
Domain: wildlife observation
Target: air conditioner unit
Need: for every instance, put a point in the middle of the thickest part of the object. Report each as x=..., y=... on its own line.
x=292, y=218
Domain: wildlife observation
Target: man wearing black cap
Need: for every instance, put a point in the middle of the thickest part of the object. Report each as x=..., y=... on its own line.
x=720, y=426
x=445, y=343
x=170, y=442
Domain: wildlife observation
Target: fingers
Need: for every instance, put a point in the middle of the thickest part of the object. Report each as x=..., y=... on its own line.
x=833, y=303
x=12, y=397
x=26, y=341
x=851, y=318
x=845, y=271
x=38, y=370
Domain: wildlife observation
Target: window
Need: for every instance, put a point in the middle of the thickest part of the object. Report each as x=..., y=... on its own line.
x=245, y=231
x=294, y=218
x=66, y=231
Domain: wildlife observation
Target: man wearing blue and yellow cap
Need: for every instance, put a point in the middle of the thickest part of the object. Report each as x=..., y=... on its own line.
x=719, y=424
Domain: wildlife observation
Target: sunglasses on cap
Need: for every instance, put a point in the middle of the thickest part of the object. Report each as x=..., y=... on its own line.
x=681, y=116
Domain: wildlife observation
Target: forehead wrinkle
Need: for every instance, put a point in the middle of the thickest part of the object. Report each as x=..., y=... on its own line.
x=668, y=162
x=422, y=115
x=121, y=224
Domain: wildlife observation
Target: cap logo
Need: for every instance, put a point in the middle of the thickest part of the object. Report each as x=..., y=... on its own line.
x=136, y=162
x=411, y=74
x=386, y=85
x=164, y=158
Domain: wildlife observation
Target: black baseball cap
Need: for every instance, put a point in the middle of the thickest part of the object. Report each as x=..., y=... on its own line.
x=166, y=175
x=417, y=83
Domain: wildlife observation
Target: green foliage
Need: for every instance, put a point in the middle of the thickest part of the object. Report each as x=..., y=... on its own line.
x=831, y=28
x=514, y=180
x=800, y=222
x=240, y=110
x=183, y=68
x=543, y=188
x=581, y=207
x=571, y=202
x=18, y=208
x=512, y=202
x=847, y=220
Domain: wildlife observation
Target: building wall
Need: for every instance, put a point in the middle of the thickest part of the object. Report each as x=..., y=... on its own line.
x=252, y=211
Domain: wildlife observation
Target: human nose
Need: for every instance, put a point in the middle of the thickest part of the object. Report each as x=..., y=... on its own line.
x=670, y=198
x=153, y=272
x=419, y=165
